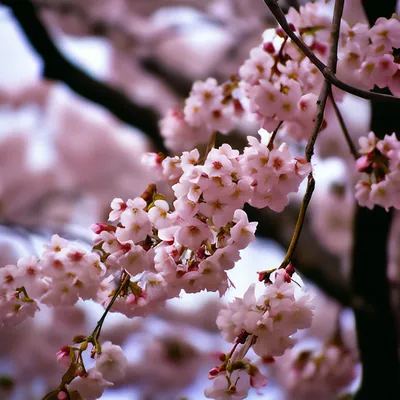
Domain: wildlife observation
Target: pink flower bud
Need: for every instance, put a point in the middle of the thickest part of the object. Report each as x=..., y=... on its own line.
x=290, y=269
x=269, y=47
x=319, y=47
x=99, y=227
x=62, y=396
x=214, y=372
x=287, y=278
x=63, y=356
x=264, y=276
x=363, y=164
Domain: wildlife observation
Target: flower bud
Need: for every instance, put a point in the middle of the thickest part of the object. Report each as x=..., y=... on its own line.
x=264, y=276
x=62, y=395
x=214, y=372
x=269, y=47
x=290, y=269
x=363, y=164
x=99, y=227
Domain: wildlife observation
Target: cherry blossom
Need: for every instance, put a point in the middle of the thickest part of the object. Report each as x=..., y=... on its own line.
x=112, y=362
x=380, y=164
x=90, y=387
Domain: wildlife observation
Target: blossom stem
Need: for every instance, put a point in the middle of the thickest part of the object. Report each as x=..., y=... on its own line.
x=271, y=140
x=321, y=104
x=251, y=339
x=93, y=338
x=278, y=59
x=210, y=145
x=299, y=222
x=343, y=126
x=326, y=70
x=97, y=330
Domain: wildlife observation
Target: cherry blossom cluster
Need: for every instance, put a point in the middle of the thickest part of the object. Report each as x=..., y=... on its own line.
x=273, y=317
x=262, y=175
x=188, y=247
x=267, y=323
x=149, y=251
x=282, y=84
x=234, y=379
x=380, y=161
x=278, y=83
x=209, y=108
x=168, y=251
x=313, y=375
x=369, y=57
x=65, y=273
x=110, y=366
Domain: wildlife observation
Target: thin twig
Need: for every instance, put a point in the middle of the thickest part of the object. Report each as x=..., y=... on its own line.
x=321, y=104
x=326, y=70
x=93, y=338
x=97, y=330
x=271, y=140
x=343, y=126
x=279, y=58
x=300, y=221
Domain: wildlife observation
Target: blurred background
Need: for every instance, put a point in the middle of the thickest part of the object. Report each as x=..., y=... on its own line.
x=72, y=134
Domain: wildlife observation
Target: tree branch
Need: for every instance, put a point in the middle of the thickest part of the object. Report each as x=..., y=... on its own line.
x=343, y=126
x=57, y=67
x=376, y=333
x=327, y=72
x=321, y=104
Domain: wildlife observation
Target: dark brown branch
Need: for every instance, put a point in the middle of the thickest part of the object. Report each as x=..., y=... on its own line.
x=321, y=104
x=377, y=334
x=57, y=67
x=272, y=138
x=327, y=72
x=343, y=126
x=100, y=27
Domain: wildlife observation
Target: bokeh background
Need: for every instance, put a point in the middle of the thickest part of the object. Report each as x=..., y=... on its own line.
x=63, y=158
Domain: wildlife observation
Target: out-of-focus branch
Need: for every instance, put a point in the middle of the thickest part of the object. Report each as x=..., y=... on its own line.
x=343, y=126
x=377, y=334
x=328, y=74
x=57, y=67
x=100, y=27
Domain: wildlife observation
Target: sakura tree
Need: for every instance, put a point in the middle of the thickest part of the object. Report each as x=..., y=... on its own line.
x=207, y=196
